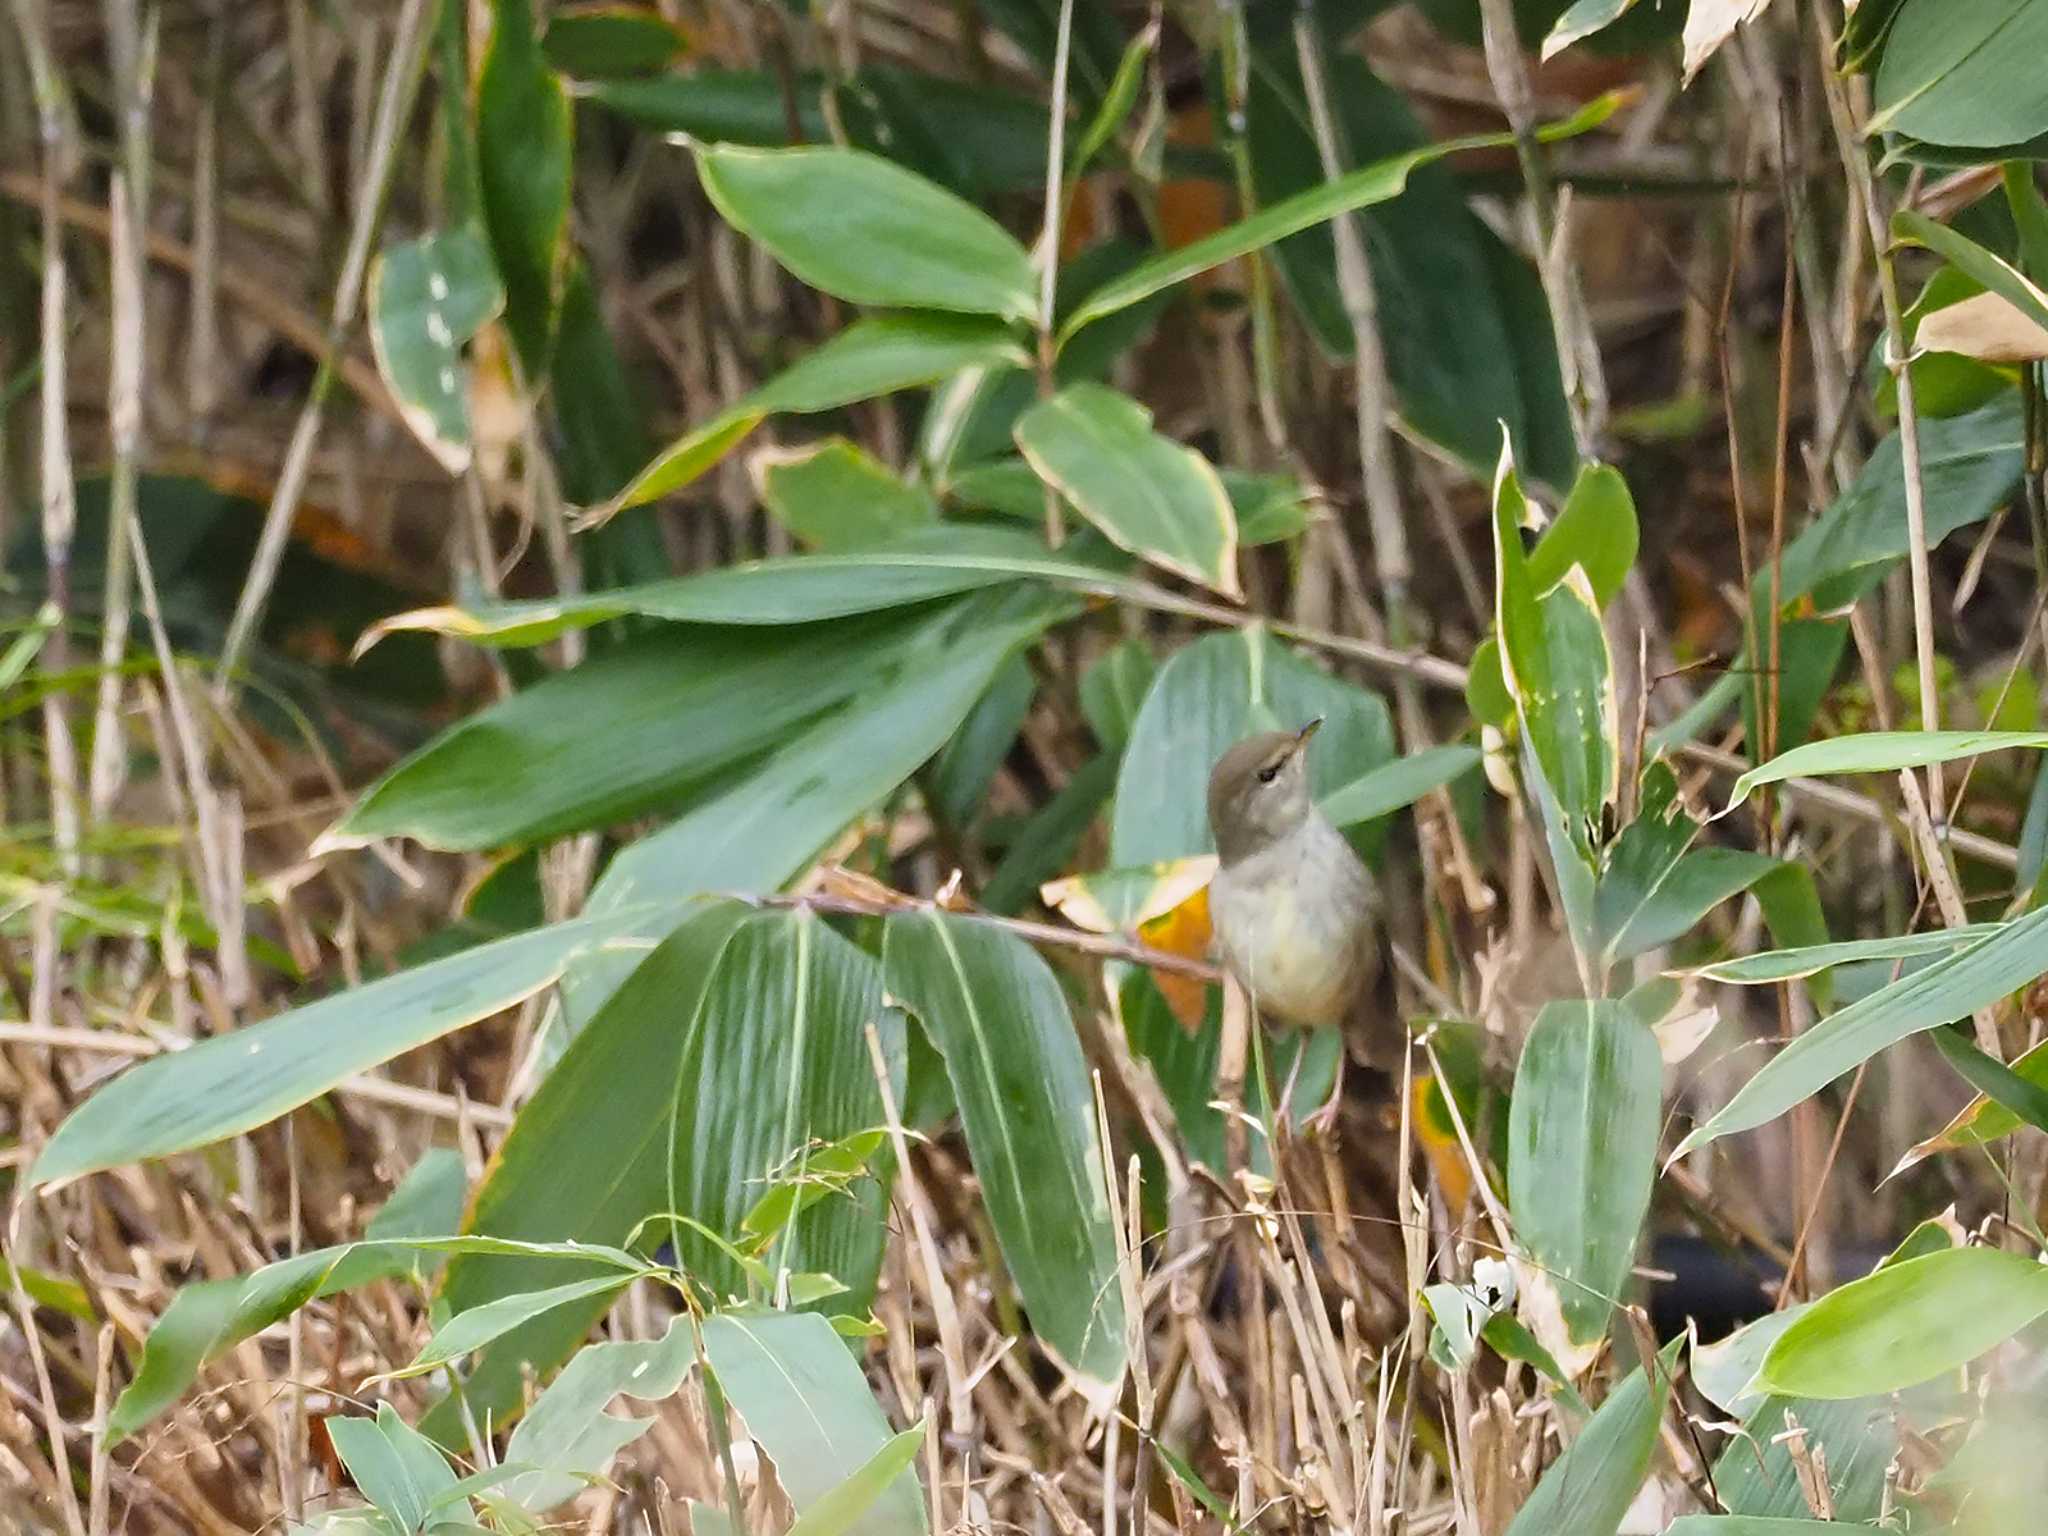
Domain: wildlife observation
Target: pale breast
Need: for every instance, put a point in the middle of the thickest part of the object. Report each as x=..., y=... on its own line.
x=1293, y=930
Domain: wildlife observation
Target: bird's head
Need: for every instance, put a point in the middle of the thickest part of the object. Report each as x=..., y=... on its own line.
x=1259, y=792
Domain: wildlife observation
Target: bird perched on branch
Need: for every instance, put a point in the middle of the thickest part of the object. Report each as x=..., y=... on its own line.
x=1292, y=904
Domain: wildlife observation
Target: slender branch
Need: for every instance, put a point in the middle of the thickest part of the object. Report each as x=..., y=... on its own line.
x=1103, y=946
x=1578, y=350
x=59, y=498
x=1049, y=241
x=1864, y=189
x=401, y=78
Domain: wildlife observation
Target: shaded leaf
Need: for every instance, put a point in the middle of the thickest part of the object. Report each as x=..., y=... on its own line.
x=523, y=142
x=874, y=356
x=599, y=39
x=427, y=298
x=1983, y=1119
x=1961, y=72
x=834, y=495
x=1361, y=188
x=2013, y=1092
x=1447, y=299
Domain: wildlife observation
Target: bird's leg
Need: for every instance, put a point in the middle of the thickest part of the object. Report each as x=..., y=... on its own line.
x=1324, y=1121
x=1283, y=1117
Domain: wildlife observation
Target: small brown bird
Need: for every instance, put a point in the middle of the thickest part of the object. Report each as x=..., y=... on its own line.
x=1292, y=904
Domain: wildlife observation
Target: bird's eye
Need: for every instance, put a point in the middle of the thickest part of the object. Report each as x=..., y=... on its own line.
x=1269, y=773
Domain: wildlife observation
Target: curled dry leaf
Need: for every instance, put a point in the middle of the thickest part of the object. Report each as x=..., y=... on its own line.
x=1710, y=23
x=1987, y=327
x=1685, y=1029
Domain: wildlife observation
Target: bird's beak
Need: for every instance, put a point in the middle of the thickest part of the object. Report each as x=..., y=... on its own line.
x=1302, y=736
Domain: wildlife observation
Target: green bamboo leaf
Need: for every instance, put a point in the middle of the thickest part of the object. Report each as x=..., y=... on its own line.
x=1150, y=495
x=868, y=231
x=397, y=1468
x=1961, y=72
x=835, y=495
x=1755, y=1525
x=729, y=1049
x=1462, y=320
x=1594, y=530
x=1388, y=788
x=1361, y=188
x=1993, y=271
x=1694, y=885
x=842, y=1509
x=1906, y=1323
x=1983, y=1120
x=771, y=823
x=1879, y=752
x=996, y=1013
x=1969, y=465
x=566, y=1439
x=471, y=1330
x=1952, y=988
x=234, y=1082
x=1582, y=1137
x=1555, y=666
x=1116, y=102
x=427, y=298
x=806, y=1403
x=524, y=143
x=530, y=767
x=600, y=40
x=1994, y=1079
x=1789, y=964
x=1590, y=1487
x=206, y=1320
x=913, y=567
x=874, y=356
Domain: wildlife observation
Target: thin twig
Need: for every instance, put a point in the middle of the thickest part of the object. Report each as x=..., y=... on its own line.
x=1864, y=189
x=401, y=78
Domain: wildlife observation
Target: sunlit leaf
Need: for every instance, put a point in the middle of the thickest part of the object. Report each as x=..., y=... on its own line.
x=1582, y=1136
x=1906, y=1323
x=868, y=231
x=1150, y=495
x=804, y=1400
x=1951, y=988
x=996, y=1013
